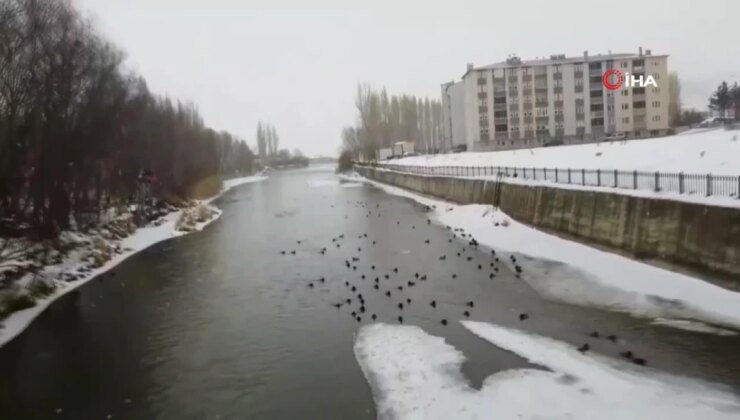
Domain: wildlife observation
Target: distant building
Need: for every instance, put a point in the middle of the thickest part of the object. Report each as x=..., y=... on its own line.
x=402, y=148
x=453, y=116
x=559, y=100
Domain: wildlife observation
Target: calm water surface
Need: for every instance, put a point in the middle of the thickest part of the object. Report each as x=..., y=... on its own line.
x=220, y=325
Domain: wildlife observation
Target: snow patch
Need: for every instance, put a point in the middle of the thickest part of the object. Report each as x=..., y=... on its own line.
x=698, y=151
x=414, y=375
x=234, y=182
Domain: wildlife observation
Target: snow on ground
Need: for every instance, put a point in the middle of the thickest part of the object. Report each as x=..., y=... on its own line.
x=568, y=271
x=414, y=375
x=715, y=151
x=141, y=239
x=713, y=200
x=234, y=182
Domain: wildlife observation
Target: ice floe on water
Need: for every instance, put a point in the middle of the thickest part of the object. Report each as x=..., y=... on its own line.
x=695, y=326
x=322, y=183
x=414, y=375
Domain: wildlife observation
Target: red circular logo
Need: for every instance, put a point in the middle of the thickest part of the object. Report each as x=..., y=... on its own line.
x=605, y=79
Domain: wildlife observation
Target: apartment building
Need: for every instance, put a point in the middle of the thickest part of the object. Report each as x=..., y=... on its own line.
x=453, y=116
x=561, y=100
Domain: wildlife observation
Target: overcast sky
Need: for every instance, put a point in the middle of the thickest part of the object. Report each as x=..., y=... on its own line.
x=296, y=63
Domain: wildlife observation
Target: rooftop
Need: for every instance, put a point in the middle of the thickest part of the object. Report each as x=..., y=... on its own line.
x=514, y=61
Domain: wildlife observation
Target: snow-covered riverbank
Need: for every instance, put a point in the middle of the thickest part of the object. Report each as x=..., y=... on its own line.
x=76, y=262
x=568, y=271
x=414, y=375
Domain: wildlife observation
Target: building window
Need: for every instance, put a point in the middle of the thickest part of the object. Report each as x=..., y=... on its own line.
x=656, y=118
x=625, y=92
x=656, y=104
x=626, y=120
x=625, y=106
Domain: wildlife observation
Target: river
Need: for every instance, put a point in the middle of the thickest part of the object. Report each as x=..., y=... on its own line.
x=221, y=325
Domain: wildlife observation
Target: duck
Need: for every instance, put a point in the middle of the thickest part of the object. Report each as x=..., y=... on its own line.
x=444, y=322
x=584, y=348
x=523, y=317
x=627, y=354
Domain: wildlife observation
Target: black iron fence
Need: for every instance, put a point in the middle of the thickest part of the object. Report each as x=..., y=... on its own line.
x=681, y=183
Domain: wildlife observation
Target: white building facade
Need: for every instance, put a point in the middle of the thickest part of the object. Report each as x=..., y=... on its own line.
x=560, y=100
x=453, y=115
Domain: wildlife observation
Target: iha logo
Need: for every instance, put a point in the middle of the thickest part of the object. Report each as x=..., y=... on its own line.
x=613, y=79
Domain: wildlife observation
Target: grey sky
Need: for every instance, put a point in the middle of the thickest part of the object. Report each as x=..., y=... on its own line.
x=296, y=63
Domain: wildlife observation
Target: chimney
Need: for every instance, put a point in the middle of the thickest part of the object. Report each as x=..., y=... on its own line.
x=640, y=54
x=648, y=52
x=470, y=66
x=585, y=53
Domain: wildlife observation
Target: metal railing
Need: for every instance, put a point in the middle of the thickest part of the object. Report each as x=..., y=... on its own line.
x=681, y=183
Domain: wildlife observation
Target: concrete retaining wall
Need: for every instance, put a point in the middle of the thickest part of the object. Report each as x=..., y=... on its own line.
x=693, y=236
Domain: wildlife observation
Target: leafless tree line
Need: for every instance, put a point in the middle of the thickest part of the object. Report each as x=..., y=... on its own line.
x=385, y=119
x=267, y=139
x=76, y=129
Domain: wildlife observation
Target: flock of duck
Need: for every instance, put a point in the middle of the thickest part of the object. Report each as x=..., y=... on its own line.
x=394, y=285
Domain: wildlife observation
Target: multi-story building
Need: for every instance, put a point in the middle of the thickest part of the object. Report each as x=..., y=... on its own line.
x=560, y=100
x=453, y=116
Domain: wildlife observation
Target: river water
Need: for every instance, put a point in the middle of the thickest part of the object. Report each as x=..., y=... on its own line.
x=221, y=325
